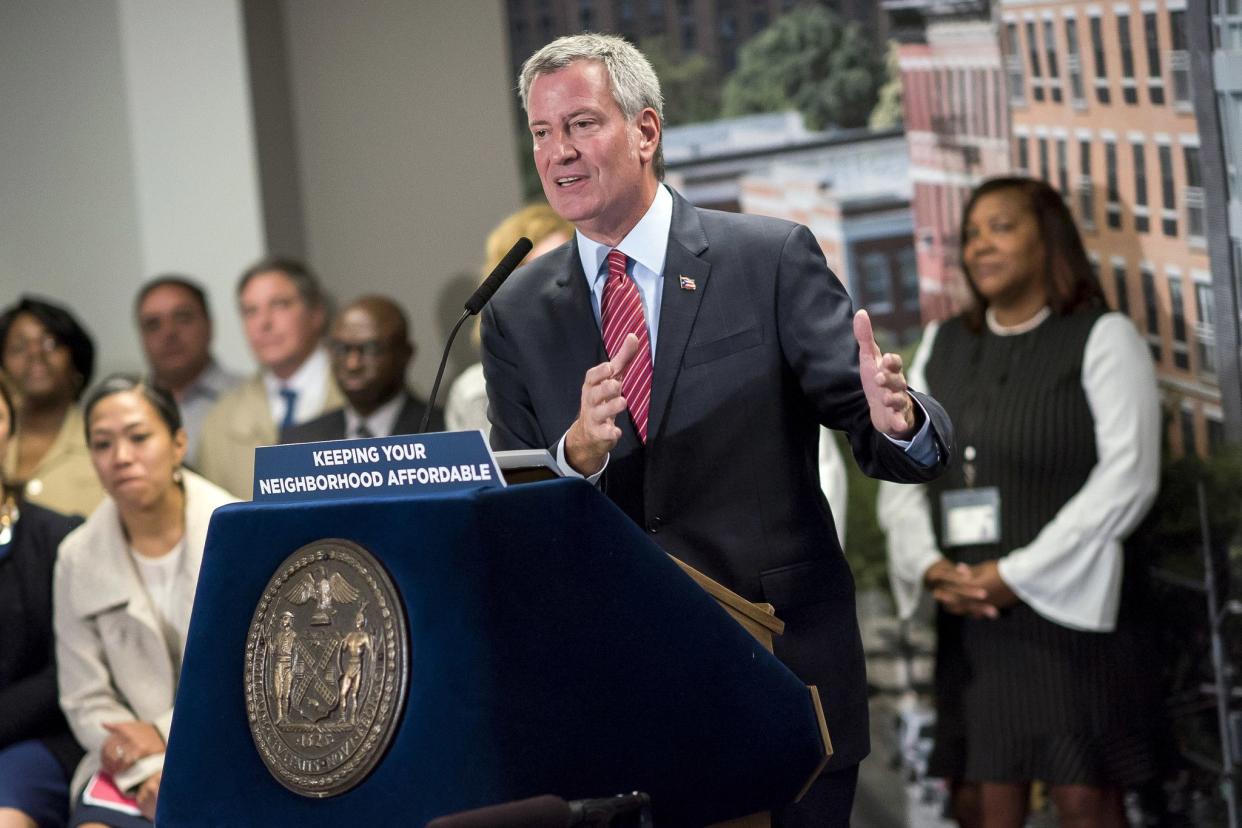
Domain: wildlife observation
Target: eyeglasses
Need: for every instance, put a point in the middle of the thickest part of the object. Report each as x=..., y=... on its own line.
x=370, y=349
x=45, y=344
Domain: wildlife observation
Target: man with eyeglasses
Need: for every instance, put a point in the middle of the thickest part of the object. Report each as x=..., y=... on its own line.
x=283, y=312
x=370, y=349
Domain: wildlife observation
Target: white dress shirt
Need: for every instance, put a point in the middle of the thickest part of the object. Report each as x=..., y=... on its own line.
x=309, y=382
x=646, y=245
x=380, y=423
x=1071, y=572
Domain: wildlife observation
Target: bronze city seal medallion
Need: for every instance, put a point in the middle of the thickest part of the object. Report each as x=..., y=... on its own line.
x=327, y=662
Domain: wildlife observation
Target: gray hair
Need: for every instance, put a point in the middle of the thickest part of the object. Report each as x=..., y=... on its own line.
x=635, y=86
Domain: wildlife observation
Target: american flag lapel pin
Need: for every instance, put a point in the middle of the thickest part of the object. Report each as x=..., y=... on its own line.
x=686, y=283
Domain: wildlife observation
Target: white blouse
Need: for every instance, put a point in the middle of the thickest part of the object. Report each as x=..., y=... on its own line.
x=1071, y=572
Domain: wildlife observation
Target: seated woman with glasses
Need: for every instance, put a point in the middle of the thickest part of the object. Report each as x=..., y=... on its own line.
x=48, y=357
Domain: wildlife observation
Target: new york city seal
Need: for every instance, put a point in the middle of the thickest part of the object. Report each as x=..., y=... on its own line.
x=327, y=663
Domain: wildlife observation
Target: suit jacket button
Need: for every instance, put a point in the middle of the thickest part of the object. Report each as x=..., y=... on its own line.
x=654, y=524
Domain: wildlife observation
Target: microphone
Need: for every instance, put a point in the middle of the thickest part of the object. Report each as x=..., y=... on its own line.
x=473, y=305
x=540, y=812
x=498, y=275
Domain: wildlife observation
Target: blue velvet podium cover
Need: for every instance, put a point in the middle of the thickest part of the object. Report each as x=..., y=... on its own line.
x=553, y=649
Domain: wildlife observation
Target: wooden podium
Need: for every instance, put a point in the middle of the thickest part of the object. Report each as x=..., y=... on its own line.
x=760, y=621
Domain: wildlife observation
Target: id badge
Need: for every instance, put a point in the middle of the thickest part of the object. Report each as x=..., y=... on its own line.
x=971, y=516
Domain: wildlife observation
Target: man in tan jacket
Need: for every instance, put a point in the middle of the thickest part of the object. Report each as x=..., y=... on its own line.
x=284, y=314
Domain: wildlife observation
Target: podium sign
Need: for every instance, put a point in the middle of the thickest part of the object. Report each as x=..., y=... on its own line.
x=387, y=467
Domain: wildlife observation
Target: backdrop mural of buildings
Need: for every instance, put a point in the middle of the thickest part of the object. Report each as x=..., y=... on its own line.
x=1133, y=110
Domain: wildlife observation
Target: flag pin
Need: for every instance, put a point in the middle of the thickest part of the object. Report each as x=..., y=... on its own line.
x=686, y=283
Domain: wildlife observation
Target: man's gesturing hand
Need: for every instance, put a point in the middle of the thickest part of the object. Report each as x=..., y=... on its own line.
x=892, y=409
x=595, y=432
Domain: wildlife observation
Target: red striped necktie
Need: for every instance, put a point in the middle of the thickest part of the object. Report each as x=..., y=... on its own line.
x=622, y=311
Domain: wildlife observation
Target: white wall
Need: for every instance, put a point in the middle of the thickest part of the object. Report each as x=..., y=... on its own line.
x=127, y=147
x=192, y=143
x=403, y=118
x=68, y=215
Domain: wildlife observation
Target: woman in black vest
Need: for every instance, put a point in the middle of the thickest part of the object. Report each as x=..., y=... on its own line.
x=1054, y=401
x=37, y=752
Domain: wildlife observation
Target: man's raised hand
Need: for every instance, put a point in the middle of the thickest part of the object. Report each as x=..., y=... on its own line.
x=595, y=432
x=892, y=409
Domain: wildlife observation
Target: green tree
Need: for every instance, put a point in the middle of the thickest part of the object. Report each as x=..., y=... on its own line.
x=691, y=85
x=811, y=61
x=889, y=111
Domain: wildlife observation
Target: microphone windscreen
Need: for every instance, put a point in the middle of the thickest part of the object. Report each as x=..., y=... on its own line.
x=498, y=275
x=540, y=812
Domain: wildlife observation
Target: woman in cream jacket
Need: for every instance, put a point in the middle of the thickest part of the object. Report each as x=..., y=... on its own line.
x=123, y=588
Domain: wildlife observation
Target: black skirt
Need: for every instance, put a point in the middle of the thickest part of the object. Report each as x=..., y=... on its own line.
x=1022, y=698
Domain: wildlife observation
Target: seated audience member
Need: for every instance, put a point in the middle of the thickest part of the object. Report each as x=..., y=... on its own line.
x=371, y=351
x=37, y=752
x=48, y=357
x=123, y=589
x=466, y=407
x=174, y=323
x=283, y=312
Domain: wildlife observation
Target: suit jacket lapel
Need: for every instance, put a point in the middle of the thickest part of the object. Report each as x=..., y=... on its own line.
x=410, y=417
x=679, y=306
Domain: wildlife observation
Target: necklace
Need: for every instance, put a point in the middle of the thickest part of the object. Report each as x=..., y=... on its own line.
x=9, y=515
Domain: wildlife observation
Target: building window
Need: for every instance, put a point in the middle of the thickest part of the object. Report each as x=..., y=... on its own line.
x=1186, y=425
x=1063, y=167
x=1073, y=63
x=1169, y=215
x=1086, y=187
x=1013, y=65
x=1151, y=313
x=1228, y=35
x=1155, y=80
x=1142, y=216
x=1196, y=229
x=1043, y=159
x=1216, y=435
x=1101, y=64
x=1205, y=330
x=1032, y=50
x=1129, y=92
x=1110, y=173
x=908, y=268
x=1119, y=287
x=1024, y=155
x=1054, y=70
x=1179, y=59
x=1231, y=127
x=877, y=296
x=1181, y=349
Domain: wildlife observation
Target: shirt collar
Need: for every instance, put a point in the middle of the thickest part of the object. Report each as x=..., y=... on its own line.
x=646, y=243
x=210, y=383
x=310, y=374
x=381, y=422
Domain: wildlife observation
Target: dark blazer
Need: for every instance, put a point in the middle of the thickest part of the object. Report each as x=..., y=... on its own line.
x=28, y=696
x=748, y=364
x=331, y=426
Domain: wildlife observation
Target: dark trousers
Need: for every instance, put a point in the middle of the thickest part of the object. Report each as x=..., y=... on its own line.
x=827, y=804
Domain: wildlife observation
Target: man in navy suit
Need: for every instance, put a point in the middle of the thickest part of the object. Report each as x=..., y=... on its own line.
x=371, y=351
x=683, y=360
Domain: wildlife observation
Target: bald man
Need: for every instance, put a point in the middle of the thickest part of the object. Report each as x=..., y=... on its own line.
x=370, y=349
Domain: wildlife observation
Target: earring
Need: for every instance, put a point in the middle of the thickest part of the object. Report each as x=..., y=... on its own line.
x=177, y=475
